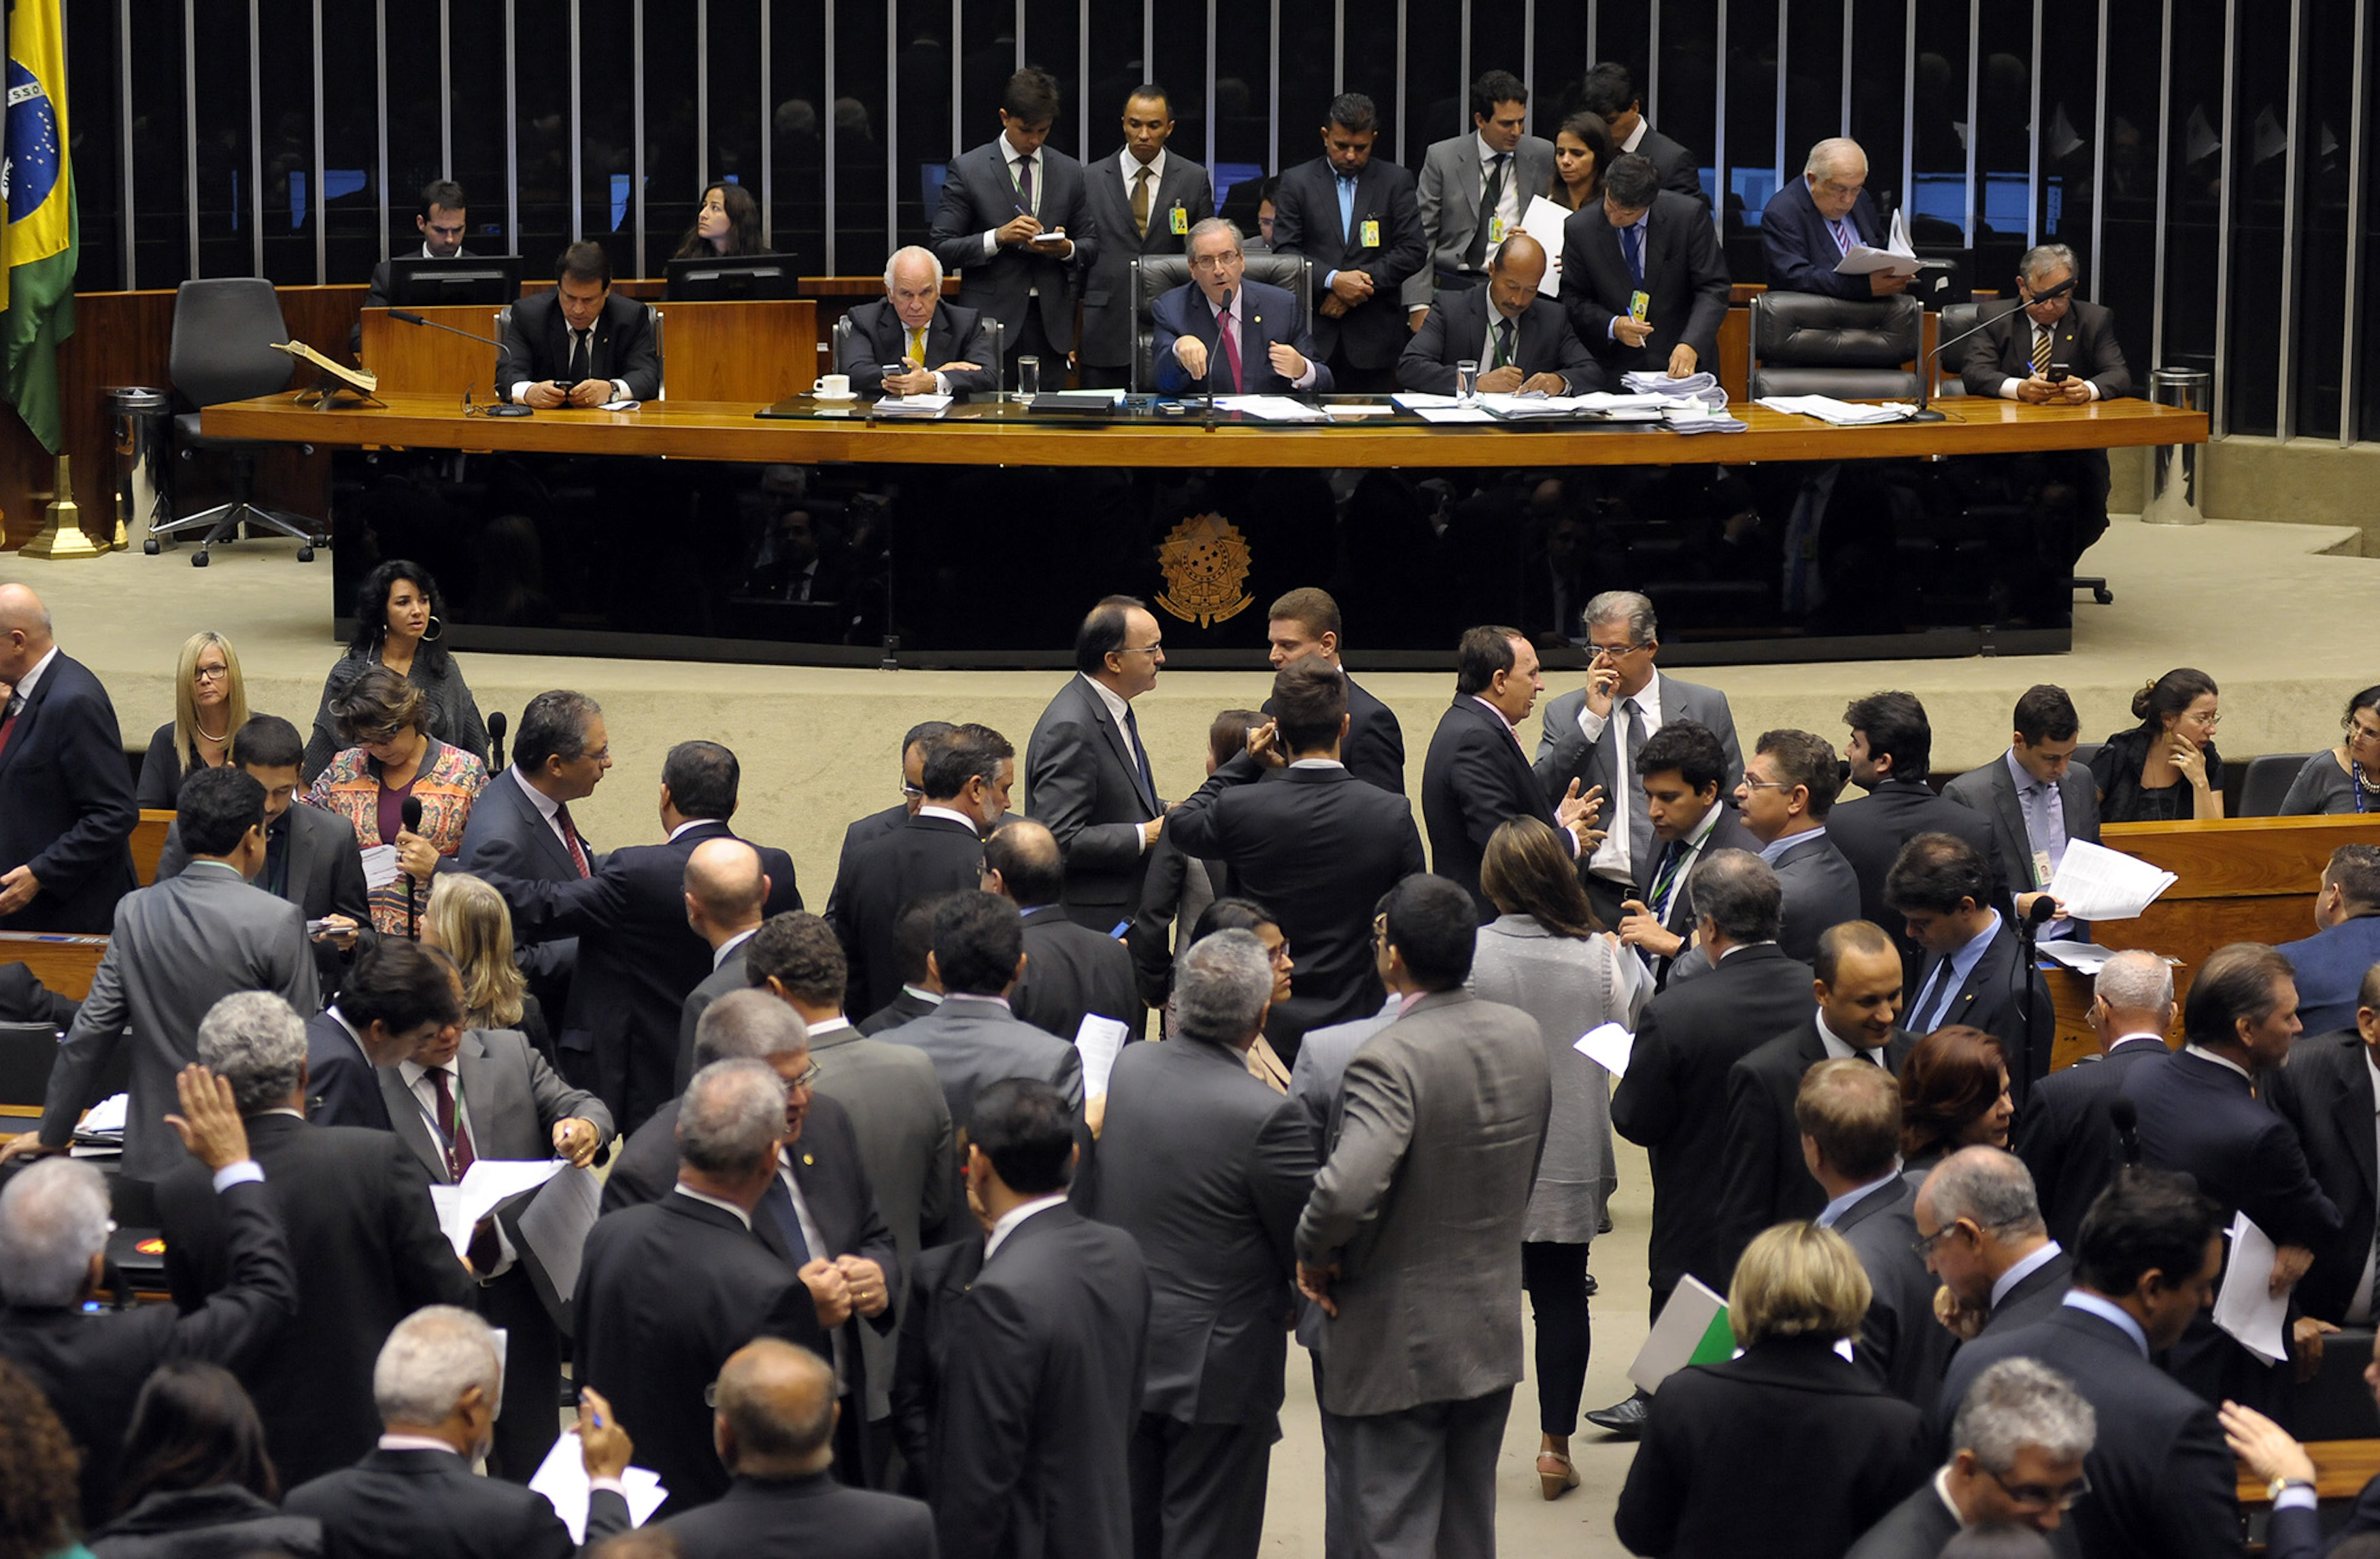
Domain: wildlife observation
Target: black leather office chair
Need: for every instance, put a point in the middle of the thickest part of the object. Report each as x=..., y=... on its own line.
x=1807, y=343
x=224, y=334
x=2268, y=783
x=27, y=1053
x=1155, y=275
x=841, y=339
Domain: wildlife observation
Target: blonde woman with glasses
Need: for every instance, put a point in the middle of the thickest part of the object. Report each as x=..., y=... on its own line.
x=210, y=703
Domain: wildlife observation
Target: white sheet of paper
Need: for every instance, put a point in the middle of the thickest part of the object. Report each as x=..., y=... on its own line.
x=488, y=1182
x=1607, y=1046
x=562, y=1479
x=555, y=1222
x=2245, y=1306
x=1677, y=1332
x=1100, y=1040
x=1543, y=221
x=380, y=865
x=105, y=1118
x=2096, y=883
x=1271, y=408
x=2084, y=958
x=1454, y=414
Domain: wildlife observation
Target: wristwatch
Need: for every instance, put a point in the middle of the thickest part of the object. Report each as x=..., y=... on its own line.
x=2273, y=1489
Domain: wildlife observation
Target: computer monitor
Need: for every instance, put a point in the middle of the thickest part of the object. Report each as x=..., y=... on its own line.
x=726, y=279
x=414, y=282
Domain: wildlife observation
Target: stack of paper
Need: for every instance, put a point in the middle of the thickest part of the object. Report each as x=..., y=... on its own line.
x=1454, y=414
x=1703, y=387
x=927, y=405
x=1100, y=1041
x=1842, y=414
x=1693, y=417
x=1271, y=408
x=487, y=1183
x=1518, y=407
x=102, y=1126
x=1897, y=258
x=1691, y=1329
x=2246, y=1306
x=562, y=1479
x=2096, y=883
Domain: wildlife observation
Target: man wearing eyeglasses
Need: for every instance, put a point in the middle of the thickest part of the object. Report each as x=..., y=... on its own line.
x=443, y=221
x=1086, y=774
x=1980, y=1230
x=2018, y=1442
x=1594, y=735
x=1223, y=334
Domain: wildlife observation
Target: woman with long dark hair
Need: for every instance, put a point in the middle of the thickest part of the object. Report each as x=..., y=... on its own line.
x=2166, y=767
x=729, y=223
x=1245, y=914
x=196, y=1479
x=401, y=623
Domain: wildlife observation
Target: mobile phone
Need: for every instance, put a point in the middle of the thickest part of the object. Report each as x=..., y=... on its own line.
x=2059, y=373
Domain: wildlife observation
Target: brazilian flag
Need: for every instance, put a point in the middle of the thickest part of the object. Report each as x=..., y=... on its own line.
x=37, y=254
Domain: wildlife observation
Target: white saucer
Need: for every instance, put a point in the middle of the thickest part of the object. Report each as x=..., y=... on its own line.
x=821, y=395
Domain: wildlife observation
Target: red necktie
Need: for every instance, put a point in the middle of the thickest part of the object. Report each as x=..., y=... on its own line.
x=13, y=708
x=1227, y=333
x=570, y=839
x=460, y=1155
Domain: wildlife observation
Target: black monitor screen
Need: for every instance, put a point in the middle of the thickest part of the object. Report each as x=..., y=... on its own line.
x=416, y=283
x=722, y=279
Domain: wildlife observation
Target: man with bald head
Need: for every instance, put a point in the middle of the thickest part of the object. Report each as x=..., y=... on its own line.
x=725, y=893
x=2065, y=1136
x=1071, y=972
x=942, y=349
x=67, y=808
x=1814, y=221
x=1524, y=343
x=774, y=1425
x=1984, y=1239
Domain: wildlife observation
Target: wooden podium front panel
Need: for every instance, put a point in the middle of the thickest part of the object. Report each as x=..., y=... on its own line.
x=755, y=352
x=417, y=360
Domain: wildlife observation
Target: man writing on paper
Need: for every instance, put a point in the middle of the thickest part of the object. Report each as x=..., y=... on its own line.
x=1643, y=278
x=1522, y=343
x=1811, y=225
x=1214, y=329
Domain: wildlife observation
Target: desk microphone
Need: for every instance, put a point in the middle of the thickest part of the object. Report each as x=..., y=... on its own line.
x=411, y=813
x=496, y=740
x=1221, y=313
x=502, y=407
x=1925, y=368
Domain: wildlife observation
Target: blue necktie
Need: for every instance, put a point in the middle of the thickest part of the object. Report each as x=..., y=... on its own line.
x=1938, y=991
x=778, y=1203
x=1347, y=211
x=1632, y=245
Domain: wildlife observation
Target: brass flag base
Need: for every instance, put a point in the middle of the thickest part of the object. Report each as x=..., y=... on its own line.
x=64, y=536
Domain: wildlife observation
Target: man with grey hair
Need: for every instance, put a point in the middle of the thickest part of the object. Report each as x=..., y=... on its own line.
x=1981, y=1224
x=1224, y=334
x=1208, y=1169
x=913, y=326
x=54, y=1229
x=355, y=1200
x=1817, y=219
x=67, y=805
x=2016, y=1459
x=436, y=1385
x=2064, y=1134
x=773, y=1426
x=1592, y=734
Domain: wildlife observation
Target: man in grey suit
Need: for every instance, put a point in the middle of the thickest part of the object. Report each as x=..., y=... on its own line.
x=1410, y=1242
x=972, y=1037
x=725, y=891
x=311, y=857
x=1086, y=774
x=1143, y=200
x=2037, y=800
x=469, y=1094
x=1208, y=1169
x=1477, y=187
x=1789, y=786
x=177, y=949
x=1582, y=739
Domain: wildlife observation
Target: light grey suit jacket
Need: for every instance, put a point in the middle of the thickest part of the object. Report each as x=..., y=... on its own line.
x=1451, y=187
x=1441, y=1122
x=177, y=949
x=326, y=876
x=510, y=1097
x=1565, y=754
x=1991, y=790
x=1313, y=1080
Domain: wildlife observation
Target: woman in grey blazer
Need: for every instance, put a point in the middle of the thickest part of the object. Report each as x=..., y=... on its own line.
x=1544, y=954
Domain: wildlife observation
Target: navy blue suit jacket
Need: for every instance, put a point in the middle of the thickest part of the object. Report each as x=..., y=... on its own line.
x=2330, y=966
x=1305, y=221
x=66, y=803
x=1801, y=247
x=2065, y=1138
x=506, y=834
x=342, y=1085
x=1185, y=311
x=2200, y=1116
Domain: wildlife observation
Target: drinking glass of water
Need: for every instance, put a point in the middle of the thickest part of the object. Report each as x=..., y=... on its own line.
x=1466, y=380
x=1028, y=379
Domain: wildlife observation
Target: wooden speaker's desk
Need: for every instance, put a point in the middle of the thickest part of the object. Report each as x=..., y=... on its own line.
x=756, y=352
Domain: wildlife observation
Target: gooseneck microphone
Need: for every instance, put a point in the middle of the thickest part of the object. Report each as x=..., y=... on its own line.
x=411, y=812
x=1926, y=368
x=1223, y=313
x=499, y=407
x=496, y=742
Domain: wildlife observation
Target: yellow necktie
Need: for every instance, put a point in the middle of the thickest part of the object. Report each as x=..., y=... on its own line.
x=917, y=343
x=2040, y=353
x=1140, y=201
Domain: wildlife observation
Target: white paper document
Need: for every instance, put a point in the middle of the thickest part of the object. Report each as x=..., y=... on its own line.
x=486, y=1184
x=1454, y=414
x=2096, y=883
x=1607, y=1046
x=105, y=1118
x=1898, y=258
x=2246, y=1306
x=1100, y=1040
x=562, y=1479
x=555, y=1222
x=1838, y=414
x=1543, y=221
x=380, y=865
x=1691, y=1329
x=927, y=404
x=1271, y=408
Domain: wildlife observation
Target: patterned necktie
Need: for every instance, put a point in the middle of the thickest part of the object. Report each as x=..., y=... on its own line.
x=459, y=1154
x=1665, y=881
x=1631, y=245
x=1140, y=201
x=570, y=840
x=1842, y=235
x=1503, y=342
x=917, y=345
x=1489, y=199
x=2040, y=353
x=1227, y=333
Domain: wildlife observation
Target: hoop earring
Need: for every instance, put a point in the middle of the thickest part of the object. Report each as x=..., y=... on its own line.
x=437, y=630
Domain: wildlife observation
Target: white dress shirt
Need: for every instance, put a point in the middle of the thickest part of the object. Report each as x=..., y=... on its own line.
x=1011, y=159
x=619, y=386
x=1118, y=707
x=31, y=679
x=547, y=808
x=1611, y=859
x=1508, y=201
x=1130, y=166
x=1841, y=1049
x=1015, y=1215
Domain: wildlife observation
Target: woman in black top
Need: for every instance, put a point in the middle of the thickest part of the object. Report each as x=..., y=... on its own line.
x=729, y=223
x=197, y=1480
x=210, y=703
x=400, y=622
x=2166, y=767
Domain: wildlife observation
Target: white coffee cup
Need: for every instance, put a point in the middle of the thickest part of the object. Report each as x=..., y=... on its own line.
x=836, y=385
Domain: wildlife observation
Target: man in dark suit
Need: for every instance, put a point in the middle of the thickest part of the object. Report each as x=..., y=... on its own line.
x=579, y=345
x=2016, y=1450
x=356, y=1201
x=943, y=349
x=1314, y=846
x=1476, y=774
x=1523, y=344
x=1788, y=790
x=1673, y=1098
x=1359, y=221
x=1643, y=278
x=1681, y=769
x=1766, y=1178
x=1208, y=1169
x=1817, y=219
x=912, y=939
x=966, y=777
x=416, y=1493
x=1041, y=1392
x=2065, y=1136
x=668, y=1290
x=860, y=830
x=2037, y=800
x=2330, y=966
x=1071, y=972
x=1476, y=188
x=2200, y=1114
x=1974, y=970
x=1014, y=224
x=1145, y=199
x=972, y=1037
x=177, y=949
x=1212, y=333
x=311, y=856
x=2325, y=1091
x=1086, y=774
x=66, y=795
x=1847, y=1117
x=393, y=1002
x=1305, y=622
x=619, y=1039
x=774, y=1424
x=1984, y=1239
x=54, y=1229
x=520, y=824
x=1610, y=91
x=24, y=1000
x=441, y=220
x=726, y=893
x=1592, y=735
x=1890, y=746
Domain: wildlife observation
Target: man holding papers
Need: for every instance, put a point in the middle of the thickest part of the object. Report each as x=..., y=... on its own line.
x=1228, y=335
x=1816, y=221
x=1523, y=342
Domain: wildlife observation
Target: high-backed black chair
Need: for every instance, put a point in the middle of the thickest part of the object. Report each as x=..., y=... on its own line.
x=840, y=337
x=2267, y=781
x=224, y=334
x=1155, y=275
x=1807, y=343
x=27, y=1053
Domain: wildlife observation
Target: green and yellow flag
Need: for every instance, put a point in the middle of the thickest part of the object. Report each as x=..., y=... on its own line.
x=37, y=254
